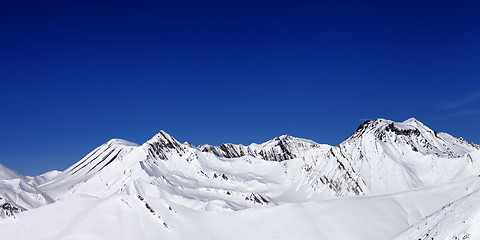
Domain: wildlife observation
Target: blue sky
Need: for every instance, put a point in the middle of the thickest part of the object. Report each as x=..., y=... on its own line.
x=74, y=75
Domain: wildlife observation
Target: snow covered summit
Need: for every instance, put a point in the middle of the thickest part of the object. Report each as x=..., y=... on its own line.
x=174, y=181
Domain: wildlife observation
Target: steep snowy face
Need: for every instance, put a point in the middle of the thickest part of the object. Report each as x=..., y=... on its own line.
x=228, y=177
x=7, y=174
x=163, y=146
x=100, y=157
x=278, y=149
x=79, y=177
x=390, y=156
x=414, y=135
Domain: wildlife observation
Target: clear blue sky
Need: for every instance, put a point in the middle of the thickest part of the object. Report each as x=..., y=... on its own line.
x=74, y=75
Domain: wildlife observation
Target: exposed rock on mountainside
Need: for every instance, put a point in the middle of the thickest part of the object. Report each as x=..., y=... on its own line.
x=380, y=157
x=7, y=210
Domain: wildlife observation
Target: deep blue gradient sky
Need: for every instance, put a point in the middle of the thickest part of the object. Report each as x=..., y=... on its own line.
x=74, y=75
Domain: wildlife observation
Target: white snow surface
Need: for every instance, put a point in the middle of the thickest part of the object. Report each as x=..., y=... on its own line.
x=17, y=190
x=380, y=183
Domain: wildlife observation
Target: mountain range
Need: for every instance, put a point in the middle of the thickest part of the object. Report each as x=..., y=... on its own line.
x=388, y=180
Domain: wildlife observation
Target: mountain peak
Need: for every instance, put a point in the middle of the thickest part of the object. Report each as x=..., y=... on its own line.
x=379, y=125
x=163, y=143
x=412, y=119
x=364, y=127
x=278, y=149
x=118, y=141
x=415, y=123
x=381, y=128
x=284, y=136
x=165, y=139
x=409, y=134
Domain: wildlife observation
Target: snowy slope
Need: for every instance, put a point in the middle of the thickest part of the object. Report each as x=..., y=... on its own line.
x=279, y=149
x=163, y=167
x=138, y=217
x=387, y=174
x=19, y=191
x=85, y=177
x=8, y=174
x=380, y=157
x=391, y=157
x=457, y=220
x=17, y=194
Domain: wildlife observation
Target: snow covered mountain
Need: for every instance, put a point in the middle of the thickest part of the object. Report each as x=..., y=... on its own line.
x=17, y=193
x=174, y=181
x=390, y=157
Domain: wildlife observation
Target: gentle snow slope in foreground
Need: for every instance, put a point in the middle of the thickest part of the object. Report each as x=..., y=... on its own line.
x=128, y=217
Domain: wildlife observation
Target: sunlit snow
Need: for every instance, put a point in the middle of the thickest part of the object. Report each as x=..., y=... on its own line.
x=387, y=180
